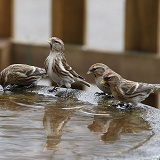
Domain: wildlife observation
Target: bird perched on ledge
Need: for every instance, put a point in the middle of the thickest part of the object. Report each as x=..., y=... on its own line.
x=20, y=75
x=57, y=67
x=99, y=70
x=128, y=91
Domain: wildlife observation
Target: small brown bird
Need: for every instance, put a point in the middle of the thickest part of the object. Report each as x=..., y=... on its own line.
x=99, y=70
x=57, y=67
x=20, y=75
x=128, y=91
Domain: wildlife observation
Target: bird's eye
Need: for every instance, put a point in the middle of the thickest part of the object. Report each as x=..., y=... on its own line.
x=56, y=42
x=108, y=78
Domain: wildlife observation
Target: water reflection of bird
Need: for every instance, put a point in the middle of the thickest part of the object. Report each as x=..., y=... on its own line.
x=20, y=75
x=54, y=122
x=57, y=67
x=112, y=129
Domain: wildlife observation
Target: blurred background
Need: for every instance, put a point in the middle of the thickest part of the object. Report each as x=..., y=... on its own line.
x=104, y=22
x=123, y=34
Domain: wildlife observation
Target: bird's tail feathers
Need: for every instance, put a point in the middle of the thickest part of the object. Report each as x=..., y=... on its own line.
x=157, y=87
x=41, y=71
x=83, y=82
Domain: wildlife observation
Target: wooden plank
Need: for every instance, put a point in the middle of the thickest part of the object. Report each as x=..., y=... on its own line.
x=28, y=53
x=142, y=31
x=4, y=53
x=68, y=20
x=6, y=18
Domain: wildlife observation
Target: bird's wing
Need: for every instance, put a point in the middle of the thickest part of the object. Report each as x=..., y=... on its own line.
x=129, y=87
x=27, y=70
x=15, y=73
x=144, y=88
x=69, y=69
x=20, y=70
x=135, y=88
x=23, y=73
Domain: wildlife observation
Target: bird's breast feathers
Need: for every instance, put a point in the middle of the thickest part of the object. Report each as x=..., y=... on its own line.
x=57, y=71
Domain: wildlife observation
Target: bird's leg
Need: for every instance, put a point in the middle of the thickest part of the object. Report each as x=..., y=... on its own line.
x=123, y=105
x=110, y=96
x=129, y=105
x=29, y=86
x=126, y=105
x=54, y=89
x=100, y=93
x=104, y=94
x=118, y=104
x=10, y=87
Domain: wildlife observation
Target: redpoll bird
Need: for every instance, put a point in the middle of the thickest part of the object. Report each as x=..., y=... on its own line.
x=57, y=67
x=20, y=75
x=99, y=70
x=128, y=91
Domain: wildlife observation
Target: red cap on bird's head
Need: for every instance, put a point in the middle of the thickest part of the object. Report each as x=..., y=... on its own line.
x=58, y=40
x=55, y=39
x=108, y=74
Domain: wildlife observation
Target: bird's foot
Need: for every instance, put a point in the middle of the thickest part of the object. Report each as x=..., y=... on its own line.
x=123, y=105
x=129, y=105
x=54, y=89
x=29, y=86
x=100, y=93
x=110, y=96
x=10, y=87
x=104, y=94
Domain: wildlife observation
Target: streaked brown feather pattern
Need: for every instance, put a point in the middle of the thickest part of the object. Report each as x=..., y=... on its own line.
x=57, y=67
x=21, y=74
x=129, y=91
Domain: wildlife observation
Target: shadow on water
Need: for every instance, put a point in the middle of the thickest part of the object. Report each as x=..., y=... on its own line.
x=67, y=124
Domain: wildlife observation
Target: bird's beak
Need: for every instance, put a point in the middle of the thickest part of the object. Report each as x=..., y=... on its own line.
x=103, y=82
x=49, y=41
x=89, y=72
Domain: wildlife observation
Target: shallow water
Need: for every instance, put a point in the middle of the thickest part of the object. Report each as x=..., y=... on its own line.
x=45, y=126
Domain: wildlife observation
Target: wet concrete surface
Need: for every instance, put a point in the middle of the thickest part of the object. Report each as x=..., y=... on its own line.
x=74, y=124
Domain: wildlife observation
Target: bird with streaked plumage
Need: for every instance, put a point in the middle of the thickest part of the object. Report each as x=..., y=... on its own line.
x=128, y=91
x=99, y=70
x=20, y=75
x=57, y=67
